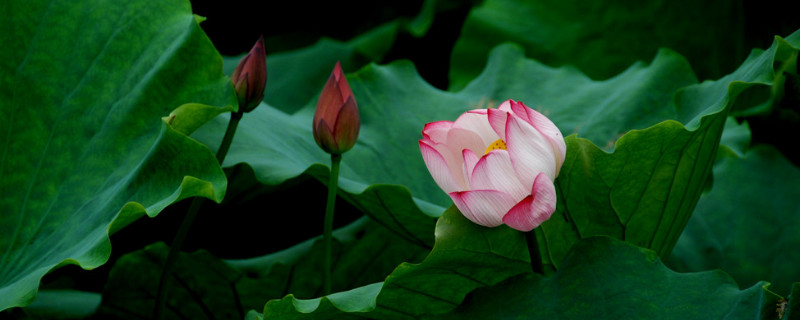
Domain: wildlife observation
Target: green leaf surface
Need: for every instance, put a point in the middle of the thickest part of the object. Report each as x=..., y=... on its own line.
x=645, y=191
x=735, y=138
x=762, y=100
x=363, y=253
x=791, y=307
x=207, y=287
x=473, y=272
x=188, y=117
x=203, y=287
x=466, y=256
x=83, y=150
x=600, y=111
x=603, y=278
x=747, y=224
x=63, y=304
x=755, y=84
x=601, y=38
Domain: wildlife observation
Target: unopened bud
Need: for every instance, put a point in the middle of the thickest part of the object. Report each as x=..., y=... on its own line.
x=250, y=77
x=336, y=120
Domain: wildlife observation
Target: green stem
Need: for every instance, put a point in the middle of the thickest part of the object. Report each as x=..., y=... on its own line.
x=228, y=138
x=533, y=251
x=327, y=234
x=183, y=230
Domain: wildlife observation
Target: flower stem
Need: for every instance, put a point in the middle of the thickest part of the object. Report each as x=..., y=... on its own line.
x=327, y=234
x=533, y=251
x=228, y=138
x=183, y=230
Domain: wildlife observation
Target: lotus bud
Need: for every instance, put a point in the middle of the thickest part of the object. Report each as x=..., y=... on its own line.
x=336, y=120
x=250, y=77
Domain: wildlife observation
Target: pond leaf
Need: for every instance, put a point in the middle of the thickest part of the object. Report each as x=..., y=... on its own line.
x=735, y=138
x=601, y=38
x=603, y=278
x=747, y=224
x=466, y=256
x=645, y=191
x=364, y=253
x=208, y=287
x=83, y=149
x=63, y=304
x=472, y=272
x=203, y=286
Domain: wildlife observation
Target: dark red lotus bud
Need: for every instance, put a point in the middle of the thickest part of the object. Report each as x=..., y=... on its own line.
x=336, y=120
x=250, y=77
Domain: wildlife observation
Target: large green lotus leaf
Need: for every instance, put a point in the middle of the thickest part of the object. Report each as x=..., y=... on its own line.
x=747, y=225
x=647, y=189
x=63, y=304
x=473, y=272
x=601, y=38
x=758, y=82
x=792, y=303
x=83, y=149
x=735, y=138
x=363, y=252
x=600, y=111
x=203, y=286
x=603, y=278
x=466, y=256
x=764, y=100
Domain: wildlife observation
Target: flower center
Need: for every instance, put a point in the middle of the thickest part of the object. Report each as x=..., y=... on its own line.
x=497, y=145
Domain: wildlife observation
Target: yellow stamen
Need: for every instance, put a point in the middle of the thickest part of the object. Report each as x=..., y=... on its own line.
x=497, y=145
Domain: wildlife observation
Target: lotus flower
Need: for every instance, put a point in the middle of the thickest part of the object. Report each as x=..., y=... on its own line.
x=336, y=121
x=250, y=77
x=498, y=165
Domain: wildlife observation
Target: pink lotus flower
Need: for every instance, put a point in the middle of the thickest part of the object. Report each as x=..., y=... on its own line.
x=498, y=165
